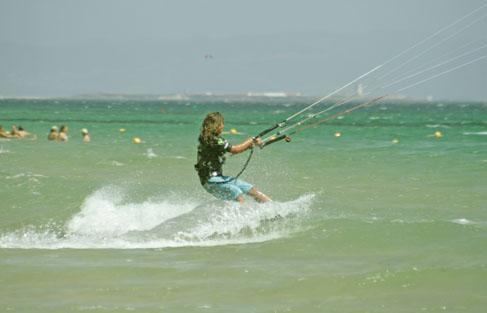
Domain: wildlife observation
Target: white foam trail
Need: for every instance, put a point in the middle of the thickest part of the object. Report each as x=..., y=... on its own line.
x=241, y=221
x=105, y=213
x=105, y=221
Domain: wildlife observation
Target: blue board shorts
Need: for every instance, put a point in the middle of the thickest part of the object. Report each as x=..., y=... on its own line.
x=226, y=187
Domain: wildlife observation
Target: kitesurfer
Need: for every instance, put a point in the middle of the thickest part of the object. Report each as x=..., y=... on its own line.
x=211, y=156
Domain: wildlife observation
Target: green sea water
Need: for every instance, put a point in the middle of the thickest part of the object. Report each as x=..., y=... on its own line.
x=367, y=224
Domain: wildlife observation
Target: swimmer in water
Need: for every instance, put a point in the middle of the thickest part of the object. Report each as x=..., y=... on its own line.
x=53, y=133
x=85, y=135
x=23, y=133
x=3, y=133
x=14, y=132
x=63, y=133
x=20, y=133
x=211, y=150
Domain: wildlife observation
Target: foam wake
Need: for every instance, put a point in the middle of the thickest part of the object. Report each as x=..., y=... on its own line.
x=108, y=221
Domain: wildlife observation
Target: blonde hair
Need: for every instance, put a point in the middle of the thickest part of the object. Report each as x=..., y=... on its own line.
x=210, y=126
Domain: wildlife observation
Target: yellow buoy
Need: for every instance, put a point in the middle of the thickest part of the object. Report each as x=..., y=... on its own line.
x=338, y=134
x=136, y=140
x=438, y=134
x=395, y=140
x=233, y=131
x=122, y=130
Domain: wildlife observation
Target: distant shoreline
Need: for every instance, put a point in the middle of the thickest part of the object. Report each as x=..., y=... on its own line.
x=273, y=97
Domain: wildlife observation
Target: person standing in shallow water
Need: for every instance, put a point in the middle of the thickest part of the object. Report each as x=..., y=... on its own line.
x=211, y=157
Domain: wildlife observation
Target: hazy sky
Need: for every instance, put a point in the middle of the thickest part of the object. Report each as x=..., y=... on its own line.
x=64, y=48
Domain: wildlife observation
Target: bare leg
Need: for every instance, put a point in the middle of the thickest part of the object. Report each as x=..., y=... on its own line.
x=258, y=196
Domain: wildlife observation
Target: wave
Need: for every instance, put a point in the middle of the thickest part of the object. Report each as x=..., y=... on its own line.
x=335, y=216
x=437, y=126
x=150, y=153
x=464, y=221
x=107, y=221
x=28, y=175
x=484, y=133
x=3, y=151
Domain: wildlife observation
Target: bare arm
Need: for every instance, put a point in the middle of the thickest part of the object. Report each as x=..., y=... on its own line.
x=241, y=147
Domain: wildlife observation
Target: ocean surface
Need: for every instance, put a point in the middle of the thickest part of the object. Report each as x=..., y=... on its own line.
x=384, y=218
